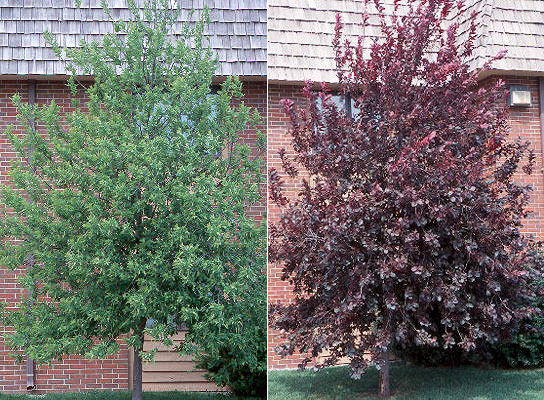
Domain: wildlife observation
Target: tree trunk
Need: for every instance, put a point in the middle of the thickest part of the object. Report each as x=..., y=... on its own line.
x=137, y=376
x=137, y=367
x=385, y=391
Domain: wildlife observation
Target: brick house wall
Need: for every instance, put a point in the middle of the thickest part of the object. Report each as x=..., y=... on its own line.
x=277, y=138
x=74, y=373
x=524, y=122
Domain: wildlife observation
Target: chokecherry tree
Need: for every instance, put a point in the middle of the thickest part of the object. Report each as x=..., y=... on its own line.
x=409, y=229
x=133, y=205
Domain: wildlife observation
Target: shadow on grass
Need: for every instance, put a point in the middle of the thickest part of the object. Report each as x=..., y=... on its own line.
x=410, y=383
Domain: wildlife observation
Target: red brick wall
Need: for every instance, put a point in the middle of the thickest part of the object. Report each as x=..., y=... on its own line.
x=278, y=123
x=525, y=122
x=255, y=96
x=73, y=373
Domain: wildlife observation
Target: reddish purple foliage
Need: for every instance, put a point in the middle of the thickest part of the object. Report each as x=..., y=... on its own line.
x=410, y=230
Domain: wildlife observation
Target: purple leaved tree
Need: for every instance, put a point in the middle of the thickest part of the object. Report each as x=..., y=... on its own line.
x=409, y=229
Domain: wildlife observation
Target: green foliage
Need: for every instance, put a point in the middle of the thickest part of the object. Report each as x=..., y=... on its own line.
x=134, y=204
x=526, y=349
x=237, y=358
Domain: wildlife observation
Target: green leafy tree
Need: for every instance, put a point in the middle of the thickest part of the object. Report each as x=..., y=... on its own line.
x=133, y=206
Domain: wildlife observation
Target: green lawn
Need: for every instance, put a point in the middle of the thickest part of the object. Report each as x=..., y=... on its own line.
x=104, y=395
x=410, y=383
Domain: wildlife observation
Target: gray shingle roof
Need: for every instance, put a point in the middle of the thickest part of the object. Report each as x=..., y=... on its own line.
x=237, y=32
x=300, y=35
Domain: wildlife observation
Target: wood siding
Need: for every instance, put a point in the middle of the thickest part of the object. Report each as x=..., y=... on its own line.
x=170, y=371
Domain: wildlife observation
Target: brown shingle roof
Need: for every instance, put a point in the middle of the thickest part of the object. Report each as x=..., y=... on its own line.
x=518, y=27
x=237, y=32
x=300, y=34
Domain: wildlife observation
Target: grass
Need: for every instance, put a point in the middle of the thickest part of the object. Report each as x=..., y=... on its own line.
x=105, y=395
x=410, y=383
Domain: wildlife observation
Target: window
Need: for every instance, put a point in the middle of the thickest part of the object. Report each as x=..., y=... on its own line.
x=345, y=101
x=169, y=117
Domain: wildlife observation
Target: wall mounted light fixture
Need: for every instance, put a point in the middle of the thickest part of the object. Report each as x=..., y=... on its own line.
x=520, y=96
